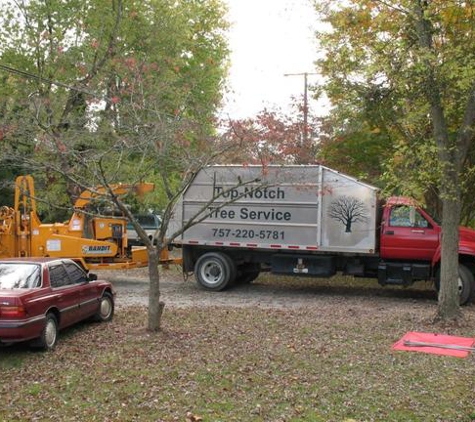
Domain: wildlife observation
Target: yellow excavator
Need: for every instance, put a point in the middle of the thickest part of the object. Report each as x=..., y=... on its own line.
x=100, y=242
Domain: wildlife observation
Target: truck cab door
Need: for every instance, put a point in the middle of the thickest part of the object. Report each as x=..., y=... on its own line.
x=409, y=233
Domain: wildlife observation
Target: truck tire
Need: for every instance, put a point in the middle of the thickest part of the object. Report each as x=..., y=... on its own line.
x=248, y=278
x=466, y=284
x=248, y=273
x=215, y=271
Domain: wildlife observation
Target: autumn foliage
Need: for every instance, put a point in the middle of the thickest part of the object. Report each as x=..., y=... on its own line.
x=274, y=137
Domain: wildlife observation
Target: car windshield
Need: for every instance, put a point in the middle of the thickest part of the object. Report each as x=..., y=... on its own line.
x=19, y=276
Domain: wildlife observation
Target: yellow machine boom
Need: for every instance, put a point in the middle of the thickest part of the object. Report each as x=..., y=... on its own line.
x=100, y=241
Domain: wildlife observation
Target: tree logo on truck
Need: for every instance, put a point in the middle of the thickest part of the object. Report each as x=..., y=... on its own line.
x=348, y=210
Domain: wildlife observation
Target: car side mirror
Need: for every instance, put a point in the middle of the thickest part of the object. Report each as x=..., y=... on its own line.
x=92, y=277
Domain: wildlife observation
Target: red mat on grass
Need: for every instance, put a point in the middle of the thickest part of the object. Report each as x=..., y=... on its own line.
x=436, y=339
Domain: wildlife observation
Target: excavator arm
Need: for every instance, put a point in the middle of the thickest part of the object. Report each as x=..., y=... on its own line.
x=88, y=195
x=100, y=241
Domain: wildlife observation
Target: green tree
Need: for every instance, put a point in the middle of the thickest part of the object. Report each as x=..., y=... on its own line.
x=356, y=148
x=417, y=58
x=99, y=92
x=73, y=70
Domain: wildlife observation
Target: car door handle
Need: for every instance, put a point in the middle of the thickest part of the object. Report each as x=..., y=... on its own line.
x=390, y=232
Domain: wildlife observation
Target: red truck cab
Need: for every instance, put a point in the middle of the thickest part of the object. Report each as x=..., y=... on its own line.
x=410, y=237
x=408, y=232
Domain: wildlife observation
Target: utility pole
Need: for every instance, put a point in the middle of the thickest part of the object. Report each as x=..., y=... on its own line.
x=305, y=102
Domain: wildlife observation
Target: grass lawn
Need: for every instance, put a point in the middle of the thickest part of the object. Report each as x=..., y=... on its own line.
x=323, y=363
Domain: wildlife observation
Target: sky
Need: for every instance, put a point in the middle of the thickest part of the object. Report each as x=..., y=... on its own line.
x=269, y=38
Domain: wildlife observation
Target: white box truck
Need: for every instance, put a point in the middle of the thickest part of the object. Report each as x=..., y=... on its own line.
x=307, y=221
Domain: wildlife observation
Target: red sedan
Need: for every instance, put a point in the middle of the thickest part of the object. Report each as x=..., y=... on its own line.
x=40, y=296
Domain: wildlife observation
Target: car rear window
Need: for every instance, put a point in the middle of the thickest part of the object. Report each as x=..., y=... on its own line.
x=58, y=276
x=19, y=276
x=148, y=221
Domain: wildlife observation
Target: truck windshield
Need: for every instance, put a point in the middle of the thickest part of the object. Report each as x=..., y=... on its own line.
x=19, y=276
x=406, y=216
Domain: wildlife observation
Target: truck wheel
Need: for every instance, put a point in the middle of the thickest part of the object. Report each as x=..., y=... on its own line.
x=466, y=284
x=215, y=271
x=248, y=278
x=248, y=274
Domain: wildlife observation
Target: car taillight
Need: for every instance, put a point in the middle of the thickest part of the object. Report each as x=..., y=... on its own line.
x=7, y=311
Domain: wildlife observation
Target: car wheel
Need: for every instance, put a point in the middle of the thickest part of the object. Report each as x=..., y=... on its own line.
x=49, y=335
x=466, y=284
x=106, y=308
x=215, y=271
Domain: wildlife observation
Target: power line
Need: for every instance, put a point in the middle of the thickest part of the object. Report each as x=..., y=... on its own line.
x=50, y=81
x=40, y=78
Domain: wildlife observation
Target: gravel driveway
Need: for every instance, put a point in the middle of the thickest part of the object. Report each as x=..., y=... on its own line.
x=268, y=291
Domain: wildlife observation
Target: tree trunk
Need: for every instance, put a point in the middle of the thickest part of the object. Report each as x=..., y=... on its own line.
x=448, y=305
x=449, y=159
x=155, y=306
x=348, y=226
